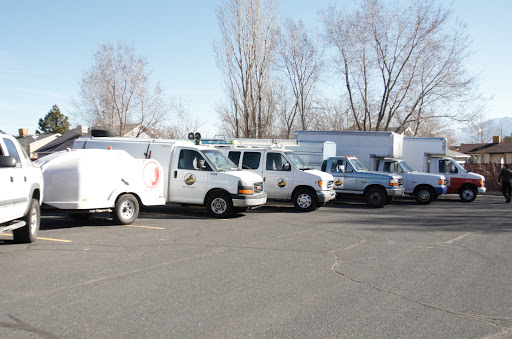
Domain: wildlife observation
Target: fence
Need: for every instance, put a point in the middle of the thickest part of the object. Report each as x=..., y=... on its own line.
x=489, y=171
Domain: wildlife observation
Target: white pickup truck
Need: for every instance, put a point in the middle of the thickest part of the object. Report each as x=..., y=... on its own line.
x=21, y=191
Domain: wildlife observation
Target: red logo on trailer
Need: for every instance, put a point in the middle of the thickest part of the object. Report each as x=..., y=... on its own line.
x=151, y=174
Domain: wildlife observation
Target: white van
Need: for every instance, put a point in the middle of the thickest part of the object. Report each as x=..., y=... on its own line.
x=196, y=175
x=285, y=175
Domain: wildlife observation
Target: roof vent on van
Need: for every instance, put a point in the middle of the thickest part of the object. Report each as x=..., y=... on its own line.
x=101, y=133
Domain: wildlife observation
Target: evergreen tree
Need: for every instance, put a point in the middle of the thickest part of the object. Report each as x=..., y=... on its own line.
x=54, y=122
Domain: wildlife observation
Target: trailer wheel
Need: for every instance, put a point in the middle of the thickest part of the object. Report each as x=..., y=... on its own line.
x=424, y=195
x=28, y=233
x=305, y=200
x=219, y=205
x=376, y=197
x=126, y=210
x=468, y=193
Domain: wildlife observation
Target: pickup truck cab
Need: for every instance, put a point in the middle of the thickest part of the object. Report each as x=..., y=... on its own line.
x=352, y=177
x=425, y=187
x=285, y=175
x=21, y=191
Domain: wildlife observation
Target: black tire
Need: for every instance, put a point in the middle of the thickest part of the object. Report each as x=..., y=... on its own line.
x=375, y=197
x=126, y=210
x=99, y=133
x=28, y=233
x=305, y=200
x=219, y=205
x=424, y=195
x=79, y=217
x=468, y=193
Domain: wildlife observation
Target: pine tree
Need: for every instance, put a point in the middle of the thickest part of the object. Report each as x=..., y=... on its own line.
x=54, y=122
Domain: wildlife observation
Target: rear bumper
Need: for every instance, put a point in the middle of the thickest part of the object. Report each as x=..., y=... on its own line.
x=240, y=200
x=325, y=196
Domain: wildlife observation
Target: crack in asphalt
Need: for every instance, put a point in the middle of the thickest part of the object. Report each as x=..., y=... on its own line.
x=502, y=323
x=23, y=326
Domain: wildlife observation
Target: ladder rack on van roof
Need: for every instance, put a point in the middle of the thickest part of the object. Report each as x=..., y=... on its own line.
x=251, y=143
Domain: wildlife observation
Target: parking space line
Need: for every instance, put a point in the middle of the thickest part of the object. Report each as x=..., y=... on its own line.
x=152, y=227
x=172, y=215
x=458, y=238
x=41, y=238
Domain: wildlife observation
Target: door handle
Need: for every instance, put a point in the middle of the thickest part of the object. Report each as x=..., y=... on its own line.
x=175, y=174
x=12, y=179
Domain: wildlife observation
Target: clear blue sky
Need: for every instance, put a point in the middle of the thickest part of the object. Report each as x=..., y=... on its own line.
x=45, y=46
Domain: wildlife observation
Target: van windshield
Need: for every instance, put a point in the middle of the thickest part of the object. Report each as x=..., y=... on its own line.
x=297, y=161
x=219, y=161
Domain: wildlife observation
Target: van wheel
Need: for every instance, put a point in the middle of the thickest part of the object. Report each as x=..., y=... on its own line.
x=468, y=193
x=305, y=200
x=126, y=210
x=376, y=197
x=219, y=205
x=389, y=199
x=424, y=195
x=28, y=233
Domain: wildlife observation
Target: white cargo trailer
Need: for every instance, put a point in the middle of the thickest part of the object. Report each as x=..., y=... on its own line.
x=82, y=182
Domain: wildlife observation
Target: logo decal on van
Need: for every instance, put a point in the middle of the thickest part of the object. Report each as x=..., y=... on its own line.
x=338, y=182
x=151, y=174
x=281, y=182
x=190, y=179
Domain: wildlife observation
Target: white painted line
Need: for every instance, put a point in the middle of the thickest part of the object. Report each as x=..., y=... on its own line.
x=458, y=238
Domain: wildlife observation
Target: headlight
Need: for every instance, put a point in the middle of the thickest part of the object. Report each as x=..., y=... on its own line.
x=393, y=182
x=245, y=187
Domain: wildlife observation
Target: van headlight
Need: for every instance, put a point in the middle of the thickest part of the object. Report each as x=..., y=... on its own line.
x=393, y=182
x=245, y=187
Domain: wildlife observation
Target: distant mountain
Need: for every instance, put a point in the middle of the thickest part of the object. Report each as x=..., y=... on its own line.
x=490, y=128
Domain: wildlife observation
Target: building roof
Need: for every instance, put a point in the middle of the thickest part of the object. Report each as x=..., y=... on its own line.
x=25, y=141
x=503, y=147
x=60, y=144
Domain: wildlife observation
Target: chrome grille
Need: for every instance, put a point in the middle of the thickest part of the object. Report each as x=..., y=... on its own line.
x=400, y=182
x=330, y=184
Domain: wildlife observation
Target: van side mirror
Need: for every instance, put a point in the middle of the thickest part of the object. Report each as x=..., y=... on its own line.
x=287, y=167
x=201, y=165
x=7, y=161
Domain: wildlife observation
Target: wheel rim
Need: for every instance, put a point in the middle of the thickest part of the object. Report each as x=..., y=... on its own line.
x=468, y=194
x=375, y=198
x=219, y=205
x=304, y=200
x=424, y=195
x=127, y=210
x=33, y=221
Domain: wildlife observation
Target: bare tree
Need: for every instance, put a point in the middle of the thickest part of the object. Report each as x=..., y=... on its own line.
x=182, y=123
x=300, y=63
x=401, y=66
x=116, y=92
x=245, y=55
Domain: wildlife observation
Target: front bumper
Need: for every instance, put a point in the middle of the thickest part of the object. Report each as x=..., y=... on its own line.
x=240, y=200
x=395, y=192
x=481, y=190
x=441, y=190
x=325, y=196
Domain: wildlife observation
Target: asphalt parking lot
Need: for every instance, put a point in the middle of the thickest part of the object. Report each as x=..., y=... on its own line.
x=344, y=271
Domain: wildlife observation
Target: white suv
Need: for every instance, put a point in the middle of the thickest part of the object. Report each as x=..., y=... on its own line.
x=21, y=191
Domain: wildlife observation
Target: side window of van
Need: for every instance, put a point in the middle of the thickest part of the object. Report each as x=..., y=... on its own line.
x=338, y=166
x=276, y=162
x=192, y=160
x=234, y=156
x=251, y=160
